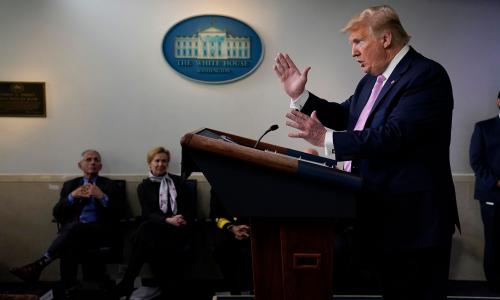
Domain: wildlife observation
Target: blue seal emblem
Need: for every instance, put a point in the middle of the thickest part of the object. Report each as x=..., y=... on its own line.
x=212, y=49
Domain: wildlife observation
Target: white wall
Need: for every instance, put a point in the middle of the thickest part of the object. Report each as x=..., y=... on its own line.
x=109, y=87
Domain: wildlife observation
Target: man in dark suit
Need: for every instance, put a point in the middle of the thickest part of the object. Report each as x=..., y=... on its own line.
x=232, y=247
x=394, y=131
x=86, y=211
x=485, y=161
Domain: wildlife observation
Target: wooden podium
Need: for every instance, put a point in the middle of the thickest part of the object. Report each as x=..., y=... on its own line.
x=292, y=199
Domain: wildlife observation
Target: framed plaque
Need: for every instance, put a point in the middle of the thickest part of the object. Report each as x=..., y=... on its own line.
x=22, y=99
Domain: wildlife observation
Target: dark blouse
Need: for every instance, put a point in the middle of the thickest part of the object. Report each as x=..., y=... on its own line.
x=149, y=193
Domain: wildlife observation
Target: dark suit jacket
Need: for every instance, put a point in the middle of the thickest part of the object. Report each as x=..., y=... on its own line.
x=485, y=159
x=148, y=193
x=64, y=212
x=403, y=152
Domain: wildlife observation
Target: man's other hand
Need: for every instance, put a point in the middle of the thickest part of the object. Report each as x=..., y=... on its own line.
x=309, y=128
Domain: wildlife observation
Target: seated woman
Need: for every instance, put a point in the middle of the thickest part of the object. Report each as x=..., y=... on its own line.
x=163, y=237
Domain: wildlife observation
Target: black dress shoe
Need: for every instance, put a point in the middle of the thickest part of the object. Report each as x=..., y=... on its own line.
x=30, y=272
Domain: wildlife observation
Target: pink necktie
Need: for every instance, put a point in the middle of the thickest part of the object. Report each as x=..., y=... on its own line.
x=360, y=124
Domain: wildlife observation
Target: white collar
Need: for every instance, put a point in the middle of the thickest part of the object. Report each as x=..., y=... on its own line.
x=395, y=61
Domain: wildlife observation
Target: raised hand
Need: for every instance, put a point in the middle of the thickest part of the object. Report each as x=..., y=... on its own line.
x=294, y=82
x=309, y=128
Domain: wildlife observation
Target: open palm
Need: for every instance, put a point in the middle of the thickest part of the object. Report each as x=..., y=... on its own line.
x=293, y=80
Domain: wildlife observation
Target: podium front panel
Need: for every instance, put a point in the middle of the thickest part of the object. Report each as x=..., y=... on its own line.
x=252, y=191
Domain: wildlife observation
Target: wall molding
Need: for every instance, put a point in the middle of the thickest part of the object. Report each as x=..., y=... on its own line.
x=64, y=177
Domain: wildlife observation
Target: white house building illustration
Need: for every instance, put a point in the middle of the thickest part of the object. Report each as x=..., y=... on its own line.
x=212, y=43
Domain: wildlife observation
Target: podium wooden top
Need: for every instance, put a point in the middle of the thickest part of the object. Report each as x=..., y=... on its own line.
x=232, y=146
x=268, y=156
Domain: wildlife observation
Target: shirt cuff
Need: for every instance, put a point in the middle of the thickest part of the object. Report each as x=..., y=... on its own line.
x=329, y=147
x=300, y=101
x=104, y=200
x=70, y=199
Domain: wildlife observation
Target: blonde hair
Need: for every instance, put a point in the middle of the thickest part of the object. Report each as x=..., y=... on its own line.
x=378, y=19
x=157, y=150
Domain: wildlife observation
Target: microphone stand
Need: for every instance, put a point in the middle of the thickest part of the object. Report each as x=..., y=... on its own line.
x=272, y=128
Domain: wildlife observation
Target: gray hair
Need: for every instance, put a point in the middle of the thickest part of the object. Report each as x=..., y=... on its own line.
x=89, y=150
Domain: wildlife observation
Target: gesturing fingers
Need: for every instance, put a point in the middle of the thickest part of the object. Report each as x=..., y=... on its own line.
x=297, y=134
x=281, y=67
x=309, y=128
x=282, y=60
x=293, y=124
x=289, y=61
x=279, y=71
x=297, y=120
x=297, y=116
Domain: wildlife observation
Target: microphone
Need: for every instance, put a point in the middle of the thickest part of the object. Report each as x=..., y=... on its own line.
x=272, y=128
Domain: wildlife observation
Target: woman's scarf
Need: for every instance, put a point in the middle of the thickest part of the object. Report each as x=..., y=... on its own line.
x=167, y=192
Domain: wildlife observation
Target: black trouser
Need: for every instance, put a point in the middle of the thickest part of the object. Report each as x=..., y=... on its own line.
x=398, y=229
x=163, y=246
x=235, y=261
x=72, y=245
x=416, y=274
x=490, y=215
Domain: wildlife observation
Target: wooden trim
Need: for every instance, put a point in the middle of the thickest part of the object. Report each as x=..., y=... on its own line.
x=242, y=151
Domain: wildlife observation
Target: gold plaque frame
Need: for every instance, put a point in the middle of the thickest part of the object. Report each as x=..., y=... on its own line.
x=22, y=99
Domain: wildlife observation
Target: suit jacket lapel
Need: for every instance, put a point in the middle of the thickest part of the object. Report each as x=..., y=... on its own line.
x=398, y=72
x=98, y=182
